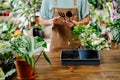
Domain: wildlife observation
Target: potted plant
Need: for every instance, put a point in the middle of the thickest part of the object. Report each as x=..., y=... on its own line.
x=90, y=37
x=91, y=41
x=6, y=61
x=38, y=30
x=25, y=47
x=6, y=54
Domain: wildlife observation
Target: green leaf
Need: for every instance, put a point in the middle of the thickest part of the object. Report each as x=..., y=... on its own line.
x=46, y=58
x=9, y=73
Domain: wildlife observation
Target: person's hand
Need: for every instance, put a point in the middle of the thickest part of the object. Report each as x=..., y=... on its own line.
x=69, y=22
x=51, y=21
x=74, y=22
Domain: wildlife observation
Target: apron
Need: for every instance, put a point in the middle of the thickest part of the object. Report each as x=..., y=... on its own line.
x=61, y=32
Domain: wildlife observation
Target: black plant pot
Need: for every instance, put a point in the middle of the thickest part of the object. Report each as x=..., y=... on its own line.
x=38, y=32
x=80, y=57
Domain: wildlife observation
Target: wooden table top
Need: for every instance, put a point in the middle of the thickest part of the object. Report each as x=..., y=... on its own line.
x=109, y=68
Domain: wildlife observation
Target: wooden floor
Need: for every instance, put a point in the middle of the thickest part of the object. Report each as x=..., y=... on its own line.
x=109, y=69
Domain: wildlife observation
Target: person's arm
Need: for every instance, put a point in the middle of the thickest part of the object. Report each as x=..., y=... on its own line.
x=83, y=21
x=44, y=13
x=48, y=22
x=83, y=13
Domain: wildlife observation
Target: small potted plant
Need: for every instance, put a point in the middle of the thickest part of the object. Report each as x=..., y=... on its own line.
x=25, y=47
x=90, y=37
x=38, y=30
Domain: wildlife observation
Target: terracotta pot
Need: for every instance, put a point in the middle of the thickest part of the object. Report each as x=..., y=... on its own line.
x=18, y=57
x=24, y=70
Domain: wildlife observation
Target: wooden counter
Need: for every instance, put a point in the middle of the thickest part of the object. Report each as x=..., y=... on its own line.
x=109, y=69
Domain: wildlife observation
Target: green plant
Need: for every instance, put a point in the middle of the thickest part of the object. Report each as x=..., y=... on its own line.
x=25, y=47
x=1, y=73
x=7, y=60
x=115, y=28
x=7, y=30
x=26, y=9
x=9, y=73
x=97, y=3
x=4, y=5
x=89, y=36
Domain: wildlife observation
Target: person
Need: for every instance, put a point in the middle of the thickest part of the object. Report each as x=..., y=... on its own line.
x=63, y=15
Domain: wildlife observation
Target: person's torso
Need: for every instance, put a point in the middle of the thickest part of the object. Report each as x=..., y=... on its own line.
x=63, y=4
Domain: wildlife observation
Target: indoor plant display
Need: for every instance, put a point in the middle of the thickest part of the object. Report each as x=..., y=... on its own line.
x=27, y=10
x=21, y=45
x=91, y=41
x=30, y=21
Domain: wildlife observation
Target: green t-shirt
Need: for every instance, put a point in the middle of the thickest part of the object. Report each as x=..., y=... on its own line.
x=47, y=7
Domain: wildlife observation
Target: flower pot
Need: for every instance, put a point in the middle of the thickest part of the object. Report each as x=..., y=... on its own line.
x=38, y=32
x=24, y=70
